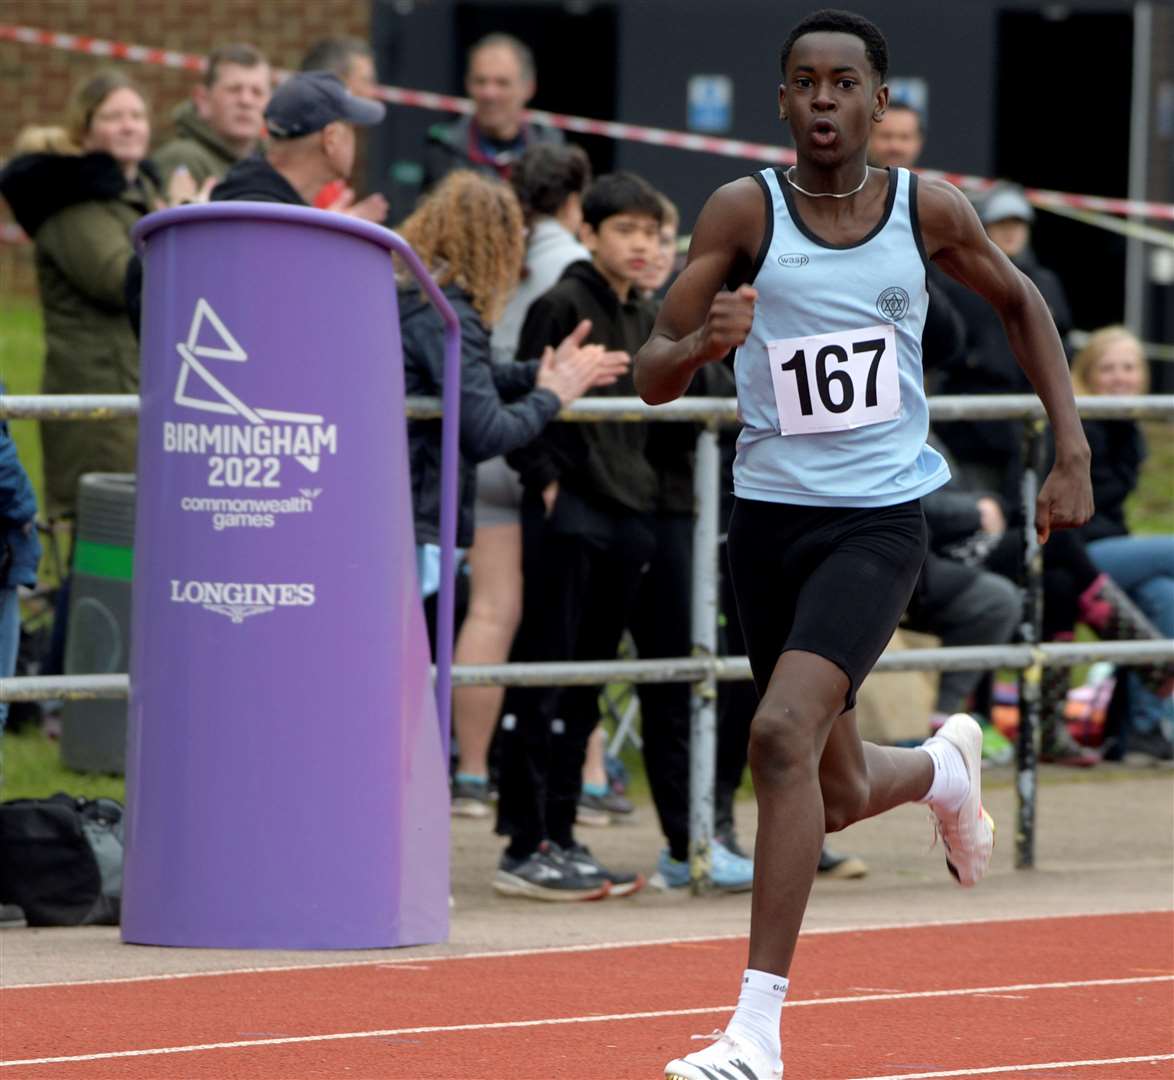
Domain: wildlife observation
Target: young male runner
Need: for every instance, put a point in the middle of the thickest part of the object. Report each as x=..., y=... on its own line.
x=826, y=266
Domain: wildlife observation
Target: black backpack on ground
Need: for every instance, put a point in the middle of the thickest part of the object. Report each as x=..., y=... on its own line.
x=61, y=860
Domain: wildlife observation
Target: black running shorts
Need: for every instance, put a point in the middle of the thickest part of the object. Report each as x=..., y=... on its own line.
x=833, y=581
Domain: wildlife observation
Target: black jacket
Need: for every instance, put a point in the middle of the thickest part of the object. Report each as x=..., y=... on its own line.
x=1118, y=449
x=255, y=180
x=252, y=180
x=605, y=463
x=671, y=449
x=988, y=366
x=500, y=408
x=454, y=146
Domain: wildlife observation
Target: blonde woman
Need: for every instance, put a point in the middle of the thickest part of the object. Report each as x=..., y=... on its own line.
x=469, y=233
x=1113, y=362
x=77, y=190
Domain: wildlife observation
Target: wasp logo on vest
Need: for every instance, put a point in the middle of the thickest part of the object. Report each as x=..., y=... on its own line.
x=793, y=260
x=893, y=303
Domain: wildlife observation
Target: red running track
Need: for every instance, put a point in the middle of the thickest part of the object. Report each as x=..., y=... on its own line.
x=976, y=999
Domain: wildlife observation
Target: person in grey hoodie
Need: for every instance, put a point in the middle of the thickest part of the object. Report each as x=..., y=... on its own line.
x=549, y=182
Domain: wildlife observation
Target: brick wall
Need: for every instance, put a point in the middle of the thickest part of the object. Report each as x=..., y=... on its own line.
x=35, y=81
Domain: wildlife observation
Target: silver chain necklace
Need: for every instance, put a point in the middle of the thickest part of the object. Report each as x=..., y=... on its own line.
x=825, y=194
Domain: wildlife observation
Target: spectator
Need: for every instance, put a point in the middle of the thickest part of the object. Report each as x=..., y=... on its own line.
x=20, y=551
x=598, y=803
x=311, y=121
x=661, y=617
x=1074, y=590
x=221, y=124
x=469, y=232
x=897, y=141
x=500, y=80
x=960, y=601
x=988, y=452
x=1112, y=362
x=589, y=494
x=549, y=182
x=897, y=138
x=352, y=61
x=660, y=267
x=349, y=58
x=77, y=192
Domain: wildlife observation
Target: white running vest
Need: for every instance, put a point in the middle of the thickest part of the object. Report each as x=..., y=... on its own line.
x=829, y=381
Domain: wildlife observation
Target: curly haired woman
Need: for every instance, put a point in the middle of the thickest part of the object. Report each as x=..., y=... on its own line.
x=468, y=231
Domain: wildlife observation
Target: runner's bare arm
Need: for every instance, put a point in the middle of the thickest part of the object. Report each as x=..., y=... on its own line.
x=955, y=240
x=699, y=322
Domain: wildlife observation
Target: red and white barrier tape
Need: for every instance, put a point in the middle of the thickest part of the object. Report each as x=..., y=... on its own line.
x=680, y=140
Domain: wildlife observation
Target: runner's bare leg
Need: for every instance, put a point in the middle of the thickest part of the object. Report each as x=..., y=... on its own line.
x=790, y=736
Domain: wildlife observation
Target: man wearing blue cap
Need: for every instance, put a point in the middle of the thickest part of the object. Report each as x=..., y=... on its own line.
x=311, y=121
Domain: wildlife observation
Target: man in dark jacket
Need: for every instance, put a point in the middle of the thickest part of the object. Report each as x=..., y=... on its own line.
x=500, y=80
x=988, y=451
x=586, y=536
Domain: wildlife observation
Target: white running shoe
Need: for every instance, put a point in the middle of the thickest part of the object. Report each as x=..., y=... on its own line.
x=967, y=833
x=726, y=1058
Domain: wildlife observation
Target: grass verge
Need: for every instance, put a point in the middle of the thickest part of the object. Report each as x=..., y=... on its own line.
x=32, y=769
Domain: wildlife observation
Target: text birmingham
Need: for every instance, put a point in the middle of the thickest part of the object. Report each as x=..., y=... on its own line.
x=260, y=440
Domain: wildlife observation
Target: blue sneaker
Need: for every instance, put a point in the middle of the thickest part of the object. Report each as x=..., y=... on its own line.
x=729, y=873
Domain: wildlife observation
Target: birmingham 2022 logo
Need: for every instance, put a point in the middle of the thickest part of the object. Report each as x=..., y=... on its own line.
x=246, y=451
x=240, y=455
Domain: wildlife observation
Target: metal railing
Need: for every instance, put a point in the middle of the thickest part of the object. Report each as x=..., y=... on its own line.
x=704, y=669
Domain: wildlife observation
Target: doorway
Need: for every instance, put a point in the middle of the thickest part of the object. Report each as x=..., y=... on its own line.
x=1062, y=122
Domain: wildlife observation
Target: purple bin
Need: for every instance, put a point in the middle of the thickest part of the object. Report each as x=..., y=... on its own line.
x=287, y=759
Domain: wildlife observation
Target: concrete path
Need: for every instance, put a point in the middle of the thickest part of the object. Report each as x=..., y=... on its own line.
x=1105, y=843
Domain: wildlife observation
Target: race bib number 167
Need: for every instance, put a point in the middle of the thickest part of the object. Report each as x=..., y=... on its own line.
x=835, y=382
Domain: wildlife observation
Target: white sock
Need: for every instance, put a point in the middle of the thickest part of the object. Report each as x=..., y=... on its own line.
x=951, y=780
x=759, y=1011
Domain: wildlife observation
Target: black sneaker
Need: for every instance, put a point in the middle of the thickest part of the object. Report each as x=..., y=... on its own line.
x=1147, y=748
x=580, y=859
x=845, y=867
x=545, y=876
x=600, y=810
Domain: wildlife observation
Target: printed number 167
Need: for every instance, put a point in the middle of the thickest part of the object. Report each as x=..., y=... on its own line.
x=824, y=379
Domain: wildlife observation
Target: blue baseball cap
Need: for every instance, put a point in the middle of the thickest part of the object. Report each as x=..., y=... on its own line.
x=308, y=101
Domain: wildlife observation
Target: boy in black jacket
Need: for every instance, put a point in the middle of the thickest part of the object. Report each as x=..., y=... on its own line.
x=586, y=536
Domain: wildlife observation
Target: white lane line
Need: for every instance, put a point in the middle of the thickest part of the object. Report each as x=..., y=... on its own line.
x=965, y=991
x=555, y=950
x=1041, y=1066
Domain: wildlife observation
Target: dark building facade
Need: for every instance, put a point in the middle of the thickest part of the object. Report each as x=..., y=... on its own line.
x=1040, y=94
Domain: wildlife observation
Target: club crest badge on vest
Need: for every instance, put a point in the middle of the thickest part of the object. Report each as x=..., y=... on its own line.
x=893, y=303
